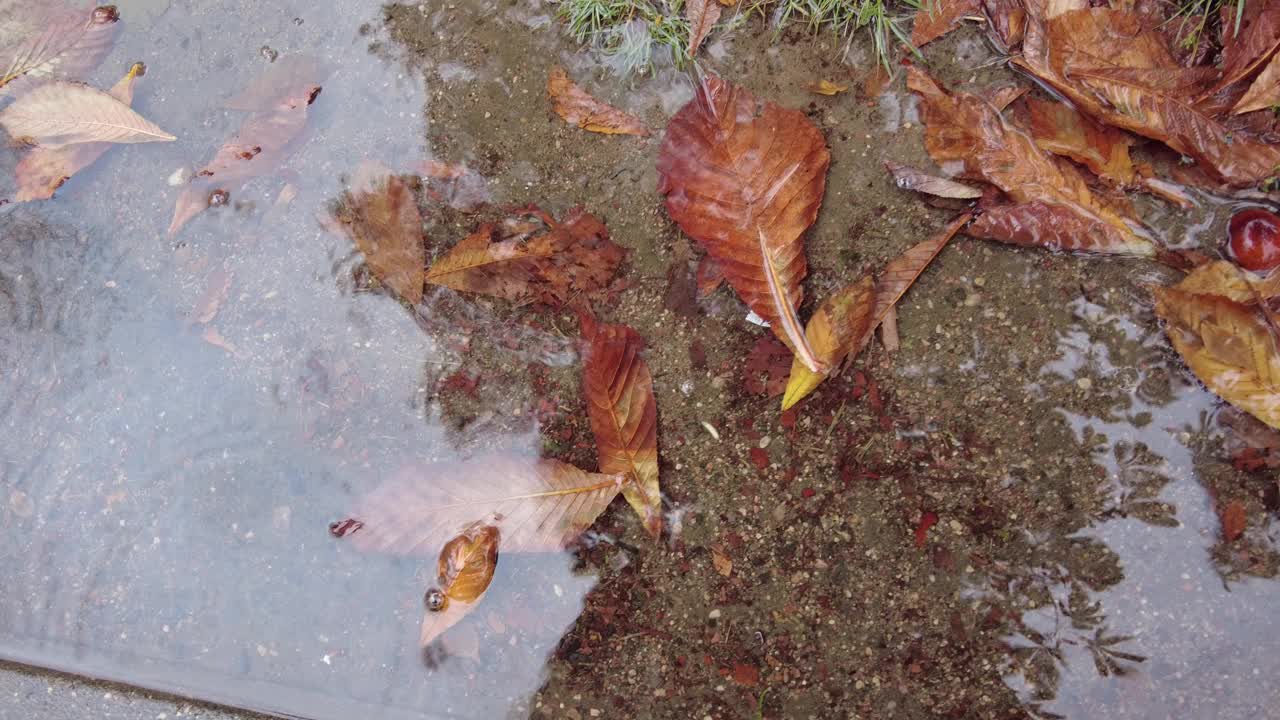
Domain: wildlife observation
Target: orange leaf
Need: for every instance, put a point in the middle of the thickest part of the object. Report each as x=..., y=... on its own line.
x=531, y=258
x=1256, y=42
x=537, y=505
x=1234, y=520
x=722, y=563
x=826, y=87
x=381, y=216
x=1224, y=278
x=702, y=16
x=909, y=178
x=936, y=18
x=745, y=179
x=708, y=277
x=576, y=107
x=464, y=571
x=1265, y=90
x=834, y=329
x=624, y=415
x=1059, y=129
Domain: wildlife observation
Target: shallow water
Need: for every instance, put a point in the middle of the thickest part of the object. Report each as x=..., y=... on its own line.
x=185, y=416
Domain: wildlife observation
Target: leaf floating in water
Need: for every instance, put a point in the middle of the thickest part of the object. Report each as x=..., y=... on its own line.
x=745, y=179
x=279, y=80
x=702, y=16
x=381, y=216
x=936, y=18
x=71, y=43
x=908, y=178
x=61, y=113
x=834, y=329
x=1225, y=279
x=43, y=170
x=532, y=258
x=538, y=505
x=624, y=414
x=576, y=107
x=463, y=573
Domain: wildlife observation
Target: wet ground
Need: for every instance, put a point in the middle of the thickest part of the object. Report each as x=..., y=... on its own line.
x=168, y=489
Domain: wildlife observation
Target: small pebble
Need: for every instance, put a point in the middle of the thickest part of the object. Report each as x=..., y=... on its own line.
x=714, y=614
x=1084, y=383
x=764, y=442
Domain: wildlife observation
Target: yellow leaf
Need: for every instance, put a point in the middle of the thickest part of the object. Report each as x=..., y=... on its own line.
x=826, y=87
x=832, y=332
x=1225, y=279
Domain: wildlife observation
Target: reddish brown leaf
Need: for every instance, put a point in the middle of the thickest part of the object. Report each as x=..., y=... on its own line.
x=746, y=675
x=764, y=372
x=532, y=258
x=832, y=331
x=936, y=18
x=537, y=505
x=1059, y=129
x=379, y=213
x=873, y=83
x=745, y=179
x=1234, y=520
x=70, y=43
x=1258, y=39
x=262, y=143
x=463, y=573
x=759, y=458
x=1008, y=20
x=709, y=277
x=43, y=170
x=965, y=128
x=576, y=107
x=702, y=16
x=1035, y=224
x=1265, y=90
x=624, y=415
x=927, y=520
x=909, y=178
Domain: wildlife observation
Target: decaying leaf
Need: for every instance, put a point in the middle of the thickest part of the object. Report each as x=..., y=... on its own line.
x=262, y=143
x=702, y=16
x=532, y=258
x=965, y=128
x=624, y=414
x=1059, y=129
x=1234, y=520
x=70, y=43
x=381, y=216
x=60, y=113
x=1225, y=279
x=281, y=79
x=1265, y=91
x=1250, y=48
x=826, y=87
x=837, y=324
x=463, y=573
x=745, y=179
x=43, y=170
x=722, y=562
x=1228, y=345
x=536, y=505
x=909, y=178
x=576, y=107
x=936, y=18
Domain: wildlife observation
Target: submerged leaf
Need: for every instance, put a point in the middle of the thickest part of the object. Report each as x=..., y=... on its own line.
x=839, y=322
x=1059, y=129
x=745, y=179
x=909, y=178
x=965, y=128
x=624, y=415
x=702, y=16
x=1228, y=346
x=531, y=258
x=936, y=18
x=381, y=216
x=576, y=107
x=61, y=113
x=537, y=505
x=43, y=170
x=71, y=43
x=1225, y=279
x=463, y=573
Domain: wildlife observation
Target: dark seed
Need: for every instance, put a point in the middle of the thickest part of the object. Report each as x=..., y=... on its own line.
x=219, y=197
x=435, y=600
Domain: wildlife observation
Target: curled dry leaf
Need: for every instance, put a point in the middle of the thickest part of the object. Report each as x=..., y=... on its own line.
x=381, y=216
x=1265, y=91
x=826, y=87
x=936, y=18
x=537, y=505
x=832, y=331
x=532, y=258
x=68, y=44
x=1059, y=129
x=463, y=573
x=847, y=337
x=965, y=128
x=576, y=107
x=909, y=178
x=702, y=16
x=624, y=414
x=43, y=170
x=264, y=140
x=60, y=113
x=745, y=179
x=1228, y=345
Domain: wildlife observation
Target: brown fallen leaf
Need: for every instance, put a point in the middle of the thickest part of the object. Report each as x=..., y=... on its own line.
x=826, y=87
x=837, y=324
x=463, y=573
x=873, y=83
x=1234, y=520
x=576, y=107
x=889, y=330
x=1008, y=20
x=721, y=562
x=263, y=141
x=537, y=505
x=380, y=214
x=965, y=128
x=1228, y=346
x=1059, y=129
x=745, y=179
x=1225, y=279
x=43, y=170
x=708, y=276
x=702, y=16
x=936, y=18
x=70, y=43
x=457, y=186
x=624, y=414
x=279, y=80
x=909, y=178
x=1264, y=92
x=60, y=113
x=1039, y=224
x=532, y=258
x=1255, y=43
